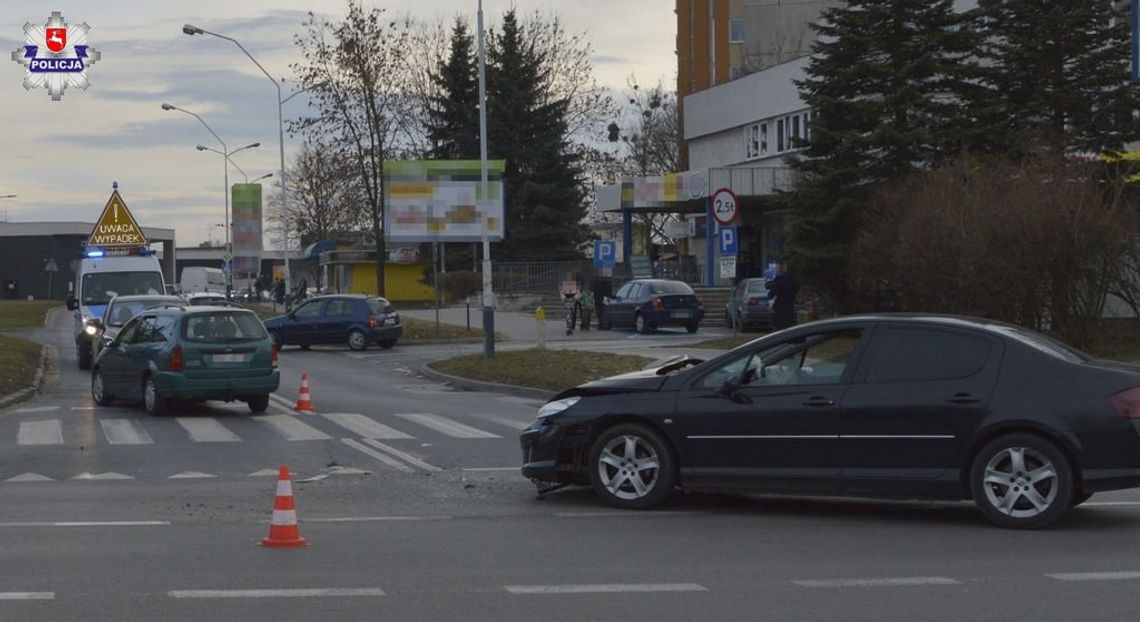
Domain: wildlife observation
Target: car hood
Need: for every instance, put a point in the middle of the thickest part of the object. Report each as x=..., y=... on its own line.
x=651, y=378
x=275, y=321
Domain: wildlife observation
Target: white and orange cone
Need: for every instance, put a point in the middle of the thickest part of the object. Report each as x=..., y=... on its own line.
x=283, y=529
x=304, y=402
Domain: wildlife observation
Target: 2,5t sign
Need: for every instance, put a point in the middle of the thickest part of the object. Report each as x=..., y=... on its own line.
x=724, y=206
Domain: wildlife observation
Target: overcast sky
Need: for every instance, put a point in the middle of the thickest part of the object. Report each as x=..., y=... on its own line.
x=61, y=157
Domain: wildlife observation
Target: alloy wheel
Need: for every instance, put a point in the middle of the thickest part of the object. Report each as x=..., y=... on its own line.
x=150, y=395
x=98, y=391
x=1020, y=482
x=356, y=340
x=628, y=467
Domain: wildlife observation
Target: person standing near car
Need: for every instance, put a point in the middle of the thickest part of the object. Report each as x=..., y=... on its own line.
x=278, y=293
x=586, y=304
x=782, y=291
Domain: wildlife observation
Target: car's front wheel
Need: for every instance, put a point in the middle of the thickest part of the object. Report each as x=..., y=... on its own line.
x=1022, y=481
x=258, y=404
x=356, y=340
x=99, y=389
x=153, y=403
x=631, y=467
x=640, y=324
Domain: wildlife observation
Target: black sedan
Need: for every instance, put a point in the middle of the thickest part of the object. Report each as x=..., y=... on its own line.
x=886, y=405
x=645, y=304
x=357, y=320
x=747, y=306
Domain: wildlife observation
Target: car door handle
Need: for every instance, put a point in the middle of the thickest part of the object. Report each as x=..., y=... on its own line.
x=818, y=401
x=963, y=398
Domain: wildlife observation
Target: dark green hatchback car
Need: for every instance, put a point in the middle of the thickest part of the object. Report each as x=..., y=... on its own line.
x=191, y=353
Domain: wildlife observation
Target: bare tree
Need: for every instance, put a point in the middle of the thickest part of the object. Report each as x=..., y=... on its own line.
x=357, y=72
x=324, y=193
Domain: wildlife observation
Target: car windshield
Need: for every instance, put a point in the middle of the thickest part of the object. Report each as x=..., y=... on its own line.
x=376, y=306
x=223, y=327
x=100, y=287
x=669, y=287
x=756, y=287
x=121, y=311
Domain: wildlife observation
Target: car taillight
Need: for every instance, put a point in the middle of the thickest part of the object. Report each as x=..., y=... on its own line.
x=176, y=358
x=657, y=303
x=753, y=301
x=273, y=356
x=1127, y=403
x=700, y=301
x=372, y=323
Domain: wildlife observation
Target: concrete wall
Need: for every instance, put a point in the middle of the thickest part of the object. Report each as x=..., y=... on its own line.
x=23, y=260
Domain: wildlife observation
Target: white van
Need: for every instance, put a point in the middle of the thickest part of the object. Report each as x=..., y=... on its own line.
x=100, y=278
x=197, y=279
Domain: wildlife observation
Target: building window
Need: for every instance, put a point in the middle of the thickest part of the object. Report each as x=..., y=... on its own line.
x=795, y=129
x=736, y=31
x=780, y=140
x=756, y=141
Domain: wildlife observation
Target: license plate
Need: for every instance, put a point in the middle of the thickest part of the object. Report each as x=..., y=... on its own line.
x=681, y=314
x=228, y=358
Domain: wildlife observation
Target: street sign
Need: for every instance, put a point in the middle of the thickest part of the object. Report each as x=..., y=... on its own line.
x=724, y=206
x=50, y=265
x=728, y=267
x=641, y=267
x=605, y=253
x=116, y=226
x=728, y=241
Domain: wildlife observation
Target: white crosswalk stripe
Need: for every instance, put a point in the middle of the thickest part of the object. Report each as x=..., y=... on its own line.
x=207, y=430
x=364, y=426
x=292, y=428
x=446, y=426
x=47, y=432
x=125, y=432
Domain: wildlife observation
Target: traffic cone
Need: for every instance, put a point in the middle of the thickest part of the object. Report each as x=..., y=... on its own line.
x=304, y=404
x=283, y=529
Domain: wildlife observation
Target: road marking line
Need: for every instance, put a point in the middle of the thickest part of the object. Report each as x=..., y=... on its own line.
x=514, y=468
x=284, y=403
x=47, y=432
x=207, y=430
x=36, y=409
x=30, y=477
x=292, y=428
x=410, y=459
x=82, y=408
x=883, y=582
x=1105, y=504
x=191, y=475
x=27, y=595
x=529, y=401
x=97, y=476
x=446, y=426
x=639, y=514
x=114, y=523
x=287, y=593
x=611, y=588
x=392, y=462
x=517, y=426
x=359, y=424
x=264, y=473
x=374, y=519
x=125, y=432
x=1126, y=575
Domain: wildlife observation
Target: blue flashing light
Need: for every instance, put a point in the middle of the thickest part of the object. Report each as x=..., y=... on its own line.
x=93, y=254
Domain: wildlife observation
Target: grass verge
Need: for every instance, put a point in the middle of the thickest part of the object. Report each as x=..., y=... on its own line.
x=19, y=359
x=552, y=370
x=24, y=313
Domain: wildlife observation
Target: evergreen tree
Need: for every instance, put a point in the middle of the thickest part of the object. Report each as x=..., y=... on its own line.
x=453, y=113
x=884, y=85
x=1056, y=75
x=527, y=127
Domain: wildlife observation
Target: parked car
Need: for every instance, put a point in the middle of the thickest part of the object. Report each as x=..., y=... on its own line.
x=748, y=306
x=188, y=353
x=646, y=304
x=880, y=405
x=204, y=298
x=122, y=309
x=357, y=320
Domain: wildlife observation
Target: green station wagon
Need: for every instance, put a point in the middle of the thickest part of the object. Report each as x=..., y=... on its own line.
x=191, y=353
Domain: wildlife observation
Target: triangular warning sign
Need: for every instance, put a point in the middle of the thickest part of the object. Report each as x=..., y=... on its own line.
x=116, y=226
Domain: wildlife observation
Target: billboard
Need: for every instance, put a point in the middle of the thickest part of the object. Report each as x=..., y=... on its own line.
x=441, y=201
x=246, y=203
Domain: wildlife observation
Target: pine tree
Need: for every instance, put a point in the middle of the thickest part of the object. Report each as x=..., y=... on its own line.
x=1056, y=76
x=884, y=85
x=453, y=114
x=528, y=128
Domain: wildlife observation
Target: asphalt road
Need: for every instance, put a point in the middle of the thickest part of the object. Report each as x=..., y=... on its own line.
x=145, y=518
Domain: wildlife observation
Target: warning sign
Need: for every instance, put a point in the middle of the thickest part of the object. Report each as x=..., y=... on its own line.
x=116, y=226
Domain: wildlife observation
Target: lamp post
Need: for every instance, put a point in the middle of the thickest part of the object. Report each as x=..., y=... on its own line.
x=488, y=293
x=226, y=161
x=7, y=196
x=190, y=29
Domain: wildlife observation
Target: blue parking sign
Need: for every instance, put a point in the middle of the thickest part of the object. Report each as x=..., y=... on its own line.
x=728, y=241
x=605, y=254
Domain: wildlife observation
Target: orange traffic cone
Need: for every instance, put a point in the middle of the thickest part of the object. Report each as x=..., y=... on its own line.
x=283, y=529
x=304, y=404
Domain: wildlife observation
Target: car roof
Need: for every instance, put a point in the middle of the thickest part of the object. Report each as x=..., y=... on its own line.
x=933, y=319
x=347, y=297
x=146, y=297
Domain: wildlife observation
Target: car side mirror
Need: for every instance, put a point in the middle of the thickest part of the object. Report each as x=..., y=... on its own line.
x=292, y=316
x=72, y=303
x=729, y=387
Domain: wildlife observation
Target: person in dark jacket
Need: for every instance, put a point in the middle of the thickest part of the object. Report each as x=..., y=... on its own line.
x=782, y=292
x=278, y=293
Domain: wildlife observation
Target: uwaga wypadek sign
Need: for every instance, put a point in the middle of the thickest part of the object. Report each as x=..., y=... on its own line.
x=116, y=226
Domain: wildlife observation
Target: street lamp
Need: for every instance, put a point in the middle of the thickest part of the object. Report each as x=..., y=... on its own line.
x=488, y=293
x=190, y=29
x=7, y=196
x=226, y=161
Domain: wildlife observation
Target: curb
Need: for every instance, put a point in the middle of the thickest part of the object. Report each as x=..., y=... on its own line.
x=468, y=384
x=37, y=381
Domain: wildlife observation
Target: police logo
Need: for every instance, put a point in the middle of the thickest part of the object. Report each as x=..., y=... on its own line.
x=56, y=56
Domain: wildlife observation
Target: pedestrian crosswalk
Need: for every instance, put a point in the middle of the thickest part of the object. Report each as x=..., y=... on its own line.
x=123, y=428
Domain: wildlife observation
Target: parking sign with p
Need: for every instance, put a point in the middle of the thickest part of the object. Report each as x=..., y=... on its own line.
x=605, y=254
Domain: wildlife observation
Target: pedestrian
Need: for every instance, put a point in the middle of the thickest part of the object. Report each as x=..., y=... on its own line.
x=586, y=302
x=782, y=291
x=278, y=293
x=569, y=293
